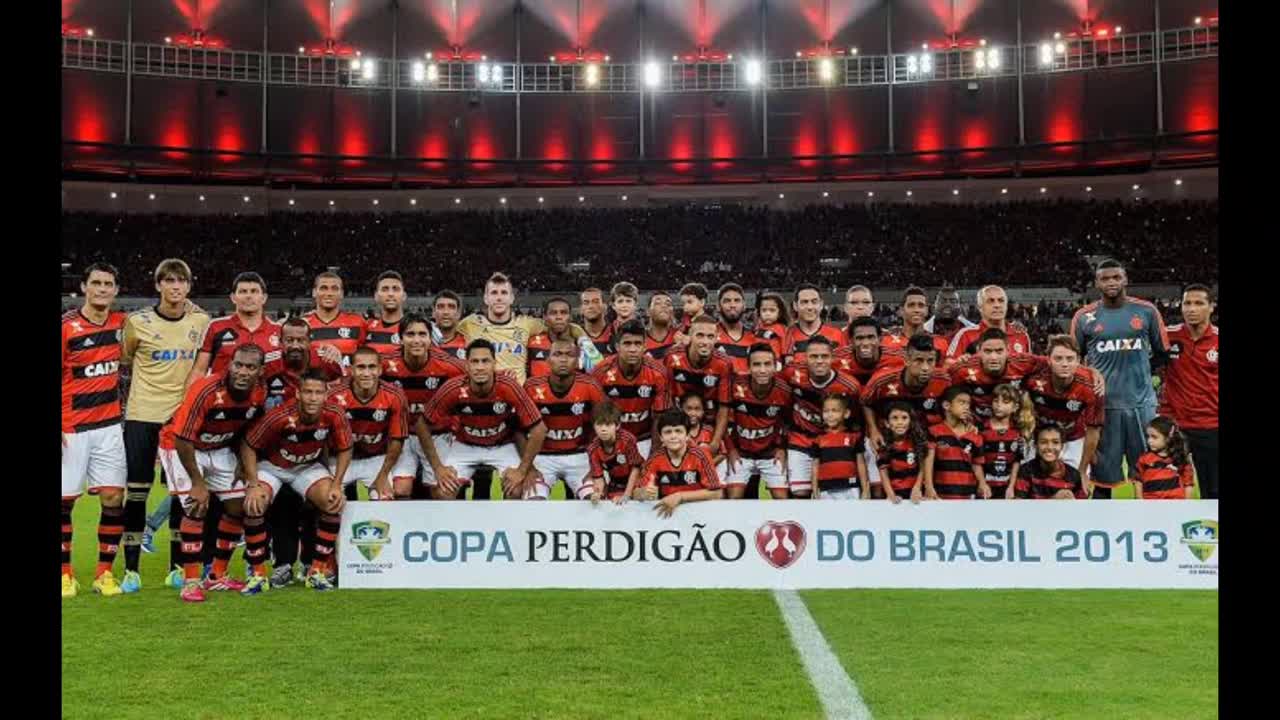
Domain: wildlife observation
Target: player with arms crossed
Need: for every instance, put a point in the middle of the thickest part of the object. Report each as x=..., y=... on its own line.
x=198, y=452
x=288, y=446
x=1125, y=339
x=679, y=472
x=566, y=399
x=759, y=405
x=92, y=439
x=495, y=425
x=637, y=384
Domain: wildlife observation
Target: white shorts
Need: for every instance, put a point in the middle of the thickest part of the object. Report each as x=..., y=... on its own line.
x=412, y=457
x=852, y=493
x=93, y=458
x=299, y=478
x=1072, y=452
x=799, y=469
x=873, y=470
x=770, y=472
x=366, y=469
x=572, y=469
x=217, y=466
x=467, y=460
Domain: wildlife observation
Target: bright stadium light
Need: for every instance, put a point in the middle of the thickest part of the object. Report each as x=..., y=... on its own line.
x=853, y=51
x=826, y=70
x=1177, y=181
x=495, y=75
x=369, y=69
x=413, y=201
x=1088, y=188
x=909, y=193
x=826, y=194
x=1136, y=186
x=581, y=198
x=419, y=72
x=753, y=73
x=1003, y=191
x=871, y=193
x=652, y=75
x=1044, y=190
x=624, y=198
x=993, y=58
x=926, y=63
x=330, y=203
x=781, y=196
x=541, y=199
x=457, y=201
x=246, y=198
x=201, y=198
x=980, y=60
x=433, y=73
x=482, y=74
x=89, y=32
x=502, y=200
x=355, y=63
x=375, y=201
x=955, y=191
x=151, y=196
x=1060, y=48
x=167, y=40
x=592, y=75
x=913, y=65
x=1199, y=20
x=290, y=202
x=1046, y=54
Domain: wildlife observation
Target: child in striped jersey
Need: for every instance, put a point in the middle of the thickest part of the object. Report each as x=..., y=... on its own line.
x=905, y=449
x=1005, y=436
x=1165, y=471
x=839, y=455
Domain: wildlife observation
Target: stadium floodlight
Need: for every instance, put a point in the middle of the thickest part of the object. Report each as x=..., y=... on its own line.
x=413, y=201
x=301, y=50
x=201, y=198
x=375, y=201
x=1088, y=188
x=502, y=200
x=624, y=198
x=871, y=193
x=433, y=73
x=1177, y=181
x=798, y=54
x=853, y=51
x=1044, y=190
x=993, y=58
x=355, y=63
x=926, y=63
x=246, y=198
x=368, y=71
x=290, y=202
x=1046, y=55
x=330, y=203
x=955, y=191
x=428, y=55
x=495, y=74
x=457, y=201
x=540, y=199
x=983, y=42
x=909, y=193
x=826, y=70
x=1060, y=48
x=482, y=74
x=1003, y=191
x=552, y=58
x=753, y=72
x=592, y=75
x=913, y=65
x=980, y=60
x=781, y=196
x=1057, y=36
x=89, y=32
x=419, y=72
x=151, y=196
x=1136, y=186
x=167, y=40
x=652, y=75
x=1198, y=20
x=1119, y=30
x=825, y=193
x=606, y=58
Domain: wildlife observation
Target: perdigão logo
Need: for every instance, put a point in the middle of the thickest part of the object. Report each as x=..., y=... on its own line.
x=369, y=536
x=1201, y=538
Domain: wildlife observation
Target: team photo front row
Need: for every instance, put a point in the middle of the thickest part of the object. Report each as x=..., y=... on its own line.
x=866, y=421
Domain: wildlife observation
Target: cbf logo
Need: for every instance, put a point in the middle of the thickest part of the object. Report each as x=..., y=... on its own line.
x=780, y=543
x=1201, y=538
x=369, y=536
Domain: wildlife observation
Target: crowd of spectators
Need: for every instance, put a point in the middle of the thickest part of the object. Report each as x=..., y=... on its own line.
x=884, y=244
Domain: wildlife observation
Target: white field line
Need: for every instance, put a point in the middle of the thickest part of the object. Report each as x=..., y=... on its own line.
x=836, y=690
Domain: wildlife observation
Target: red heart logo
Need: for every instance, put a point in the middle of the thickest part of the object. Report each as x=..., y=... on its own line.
x=780, y=543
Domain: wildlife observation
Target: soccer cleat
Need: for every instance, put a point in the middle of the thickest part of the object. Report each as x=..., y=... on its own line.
x=224, y=583
x=106, y=585
x=148, y=546
x=174, y=579
x=132, y=582
x=282, y=576
x=255, y=585
x=300, y=573
x=192, y=592
x=318, y=581
x=70, y=586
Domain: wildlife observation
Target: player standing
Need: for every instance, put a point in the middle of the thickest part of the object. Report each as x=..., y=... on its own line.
x=555, y=314
x=808, y=325
x=566, y=399
x=92, y=440
x=1063, y=394
x=160, y=345
x=660, y=335
x=732, y=337
x=915, y=316
x=919, y=383
x=291, y=442
x=636, y=383
x=507, y=332
x=948, y=317
x=594, y=324
x=330, y=324
x=1189, y=393
x=623, y=298
x=382, y=333
x=249, y=323
x=495, y=425
x=446, y=313
x=858, y=302
x=1124, y=338
x=699, y=370
x=809, y=384
x=992, y=366
x=760, y=405
x=198, y=452
x=993, y=305
x=865, y=354
x=283, y=375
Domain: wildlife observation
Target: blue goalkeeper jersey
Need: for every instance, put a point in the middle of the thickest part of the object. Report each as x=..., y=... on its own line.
x=1121, y=343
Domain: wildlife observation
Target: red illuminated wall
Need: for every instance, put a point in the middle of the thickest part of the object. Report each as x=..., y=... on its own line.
x=92, y=107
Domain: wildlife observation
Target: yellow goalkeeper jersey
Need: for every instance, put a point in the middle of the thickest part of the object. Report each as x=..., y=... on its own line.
x=161, y=351
x=510, y=338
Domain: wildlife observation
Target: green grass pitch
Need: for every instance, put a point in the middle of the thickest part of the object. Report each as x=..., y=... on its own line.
x=914, y=654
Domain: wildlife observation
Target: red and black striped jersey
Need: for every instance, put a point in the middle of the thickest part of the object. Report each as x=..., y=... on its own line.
x=981, y=384
x=795, y=341
x=1163, y=479
x=900, y=463
x=211, y=417
x=806, y=403
x=694, y=471
x=91, y=371
x=897, y=339
x=223, y=335
x=771, y=334
x=710, y=381
x=568, y=416
x=455, y=346
x=376, y=422
x=614, y=464
x=382, y=336
x=758, y=424
x=736, y=350
x=1000, y=450
x=657, y=348
x=346, y=331
x=282, y=382
x=539, y=349
x=836, y=452
x=1075, y=410
x=639, y=397
x=954, y=455
x=847, y=364
x=285, y=439
x=702, y=438
x=420, y=384
x=1038, y=482
x=486, y=420
x=1018, y=342
x=603, y=341
x=890, y=386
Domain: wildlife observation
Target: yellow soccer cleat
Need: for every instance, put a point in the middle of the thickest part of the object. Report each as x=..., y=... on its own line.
x=70, y=586
x=106, y=585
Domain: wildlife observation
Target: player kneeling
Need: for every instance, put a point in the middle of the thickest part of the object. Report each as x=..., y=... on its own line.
x=678, y=473
x=614, y=455
x=197, y=456
x=378, y=413
x=291, y=441
x=839, y=455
